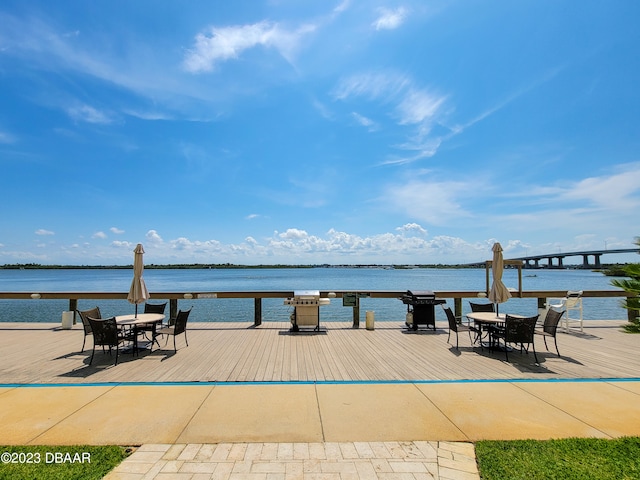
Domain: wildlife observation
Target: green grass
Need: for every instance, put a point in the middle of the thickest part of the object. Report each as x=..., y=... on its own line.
x=79, y=462
x=566, y=459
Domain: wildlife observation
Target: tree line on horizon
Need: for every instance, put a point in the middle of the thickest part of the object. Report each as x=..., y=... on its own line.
x=178, y=266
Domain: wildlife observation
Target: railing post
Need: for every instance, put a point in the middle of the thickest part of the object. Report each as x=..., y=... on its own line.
x=173, y=308
x=356, y=313
x=457, y=307
x=257, y=311
x=73, y=306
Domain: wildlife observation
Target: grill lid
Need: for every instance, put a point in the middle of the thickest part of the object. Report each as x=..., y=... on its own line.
x=307, y=294
x=421, y=294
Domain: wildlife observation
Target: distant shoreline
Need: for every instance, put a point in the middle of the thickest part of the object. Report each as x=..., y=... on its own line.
x=230, y=266
x=220, y=266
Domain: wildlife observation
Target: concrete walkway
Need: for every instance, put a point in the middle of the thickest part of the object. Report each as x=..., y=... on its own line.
x=351, y=429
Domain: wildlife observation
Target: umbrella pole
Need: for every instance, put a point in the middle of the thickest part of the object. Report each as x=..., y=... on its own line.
x=136, y=315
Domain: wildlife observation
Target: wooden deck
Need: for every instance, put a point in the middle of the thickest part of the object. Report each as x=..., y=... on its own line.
x=239, y=352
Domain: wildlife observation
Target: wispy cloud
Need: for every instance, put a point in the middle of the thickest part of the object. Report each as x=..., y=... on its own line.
x=414, y=107
x=371, y=85
x=322, y=109
x=100, y=235
x=436, y=203
x=342, y=6
x=421, y=108
x=148, y=115
x=220, y=44
x=511, y=97
x=116, y=230
x=364, y=121
x=418, y=106
x=43, y=232
x=146, y=73
x=390, y=19
x=6, y=137
x=619, y=191
x=89, y=114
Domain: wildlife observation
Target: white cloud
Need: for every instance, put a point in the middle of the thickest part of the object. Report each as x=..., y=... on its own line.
x=116, y=230
x=122, y=244
x=148, y=115
x=42, y=231
x=390, y=19
x=364, y=121
x=99, y=235
x=322, y=109
x=618, y=191
x=293, y=233
x=433, y=202
x=343, y=6
x=416, y=108
x=412, y=228
x=89, y=114
x=219, y=44
x=376, y=85
x=423, y=148
x=153, y=236
x=546, y=76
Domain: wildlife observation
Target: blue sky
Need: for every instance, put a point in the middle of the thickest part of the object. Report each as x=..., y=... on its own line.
x=282, y=131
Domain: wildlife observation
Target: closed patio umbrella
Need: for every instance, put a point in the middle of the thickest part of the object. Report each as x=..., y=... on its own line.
x=138, y=292
x=499, y=293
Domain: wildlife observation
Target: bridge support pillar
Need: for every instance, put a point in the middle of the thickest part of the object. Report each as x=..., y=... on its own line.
x=537, y=263
x=597, y=260
x=585, y=261
x=560, y=262
x=550, y=262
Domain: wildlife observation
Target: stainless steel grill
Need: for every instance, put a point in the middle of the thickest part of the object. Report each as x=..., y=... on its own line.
x=306, y=312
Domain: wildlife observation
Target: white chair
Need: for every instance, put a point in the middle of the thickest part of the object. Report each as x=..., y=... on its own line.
x=572, y=305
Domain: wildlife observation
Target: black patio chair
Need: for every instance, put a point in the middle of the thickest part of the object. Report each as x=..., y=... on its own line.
x=482, y=307
x=107, y=334
x=151, y=308
x=550, y=327
x=84, y=316
x=517, y=331
x=179, y=326
x=155, y=307
x=456, y=327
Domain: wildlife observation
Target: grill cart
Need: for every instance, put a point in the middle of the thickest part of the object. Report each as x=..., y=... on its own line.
x=306, y=312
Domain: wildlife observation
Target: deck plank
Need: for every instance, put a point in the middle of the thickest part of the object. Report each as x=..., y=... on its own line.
x=238, y=352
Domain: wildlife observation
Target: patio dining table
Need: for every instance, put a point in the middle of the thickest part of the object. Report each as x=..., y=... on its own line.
x=484, y=320
x=139, y=320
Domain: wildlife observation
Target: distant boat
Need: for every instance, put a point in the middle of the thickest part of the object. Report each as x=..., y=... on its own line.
x=531, y=275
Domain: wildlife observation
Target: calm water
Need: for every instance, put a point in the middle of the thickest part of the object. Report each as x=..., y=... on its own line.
x=220, y=310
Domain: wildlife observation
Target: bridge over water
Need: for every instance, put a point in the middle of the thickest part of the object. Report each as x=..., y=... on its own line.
x=533, y=261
